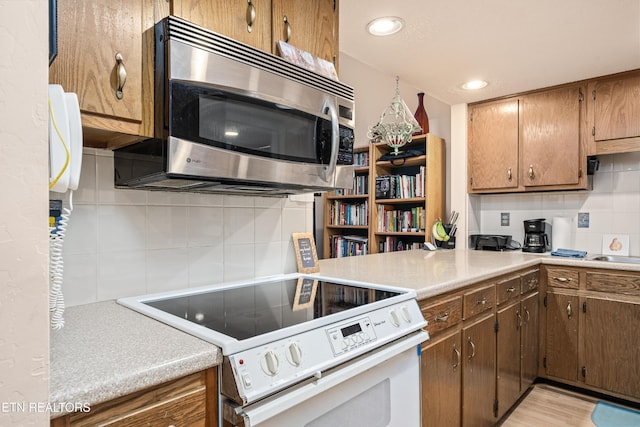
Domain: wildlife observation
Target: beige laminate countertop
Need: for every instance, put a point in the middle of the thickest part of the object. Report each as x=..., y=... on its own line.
x=433, y=273
x=106, y=351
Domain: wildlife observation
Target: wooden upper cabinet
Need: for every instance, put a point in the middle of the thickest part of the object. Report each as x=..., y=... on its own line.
x=99, y=40
x=550, y=141
x=613, y=111
x=246, y=21
x=493, y=146
x=308, y=25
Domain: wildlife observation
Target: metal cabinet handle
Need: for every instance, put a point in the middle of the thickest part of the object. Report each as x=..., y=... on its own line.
x=519, y=318
x=532, y=175
x=287, y=29
x=562, y=279
x=121, y=74
x=511, y=289
x=526, y=311
x=473, y=348
x=509, y=174
x=456, y=360
x=251, y=15
x=442, y=318
x=482, y=301
x=569, y=311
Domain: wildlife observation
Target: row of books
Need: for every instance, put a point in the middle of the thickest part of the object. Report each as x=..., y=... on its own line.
x=360, y=187
x=342, y=246
x=393, y=244
x=342, y=213
x=390, y=219
x=361, y=158
x=401, y=186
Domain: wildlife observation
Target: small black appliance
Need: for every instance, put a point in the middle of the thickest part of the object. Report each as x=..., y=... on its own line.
x=536, y=239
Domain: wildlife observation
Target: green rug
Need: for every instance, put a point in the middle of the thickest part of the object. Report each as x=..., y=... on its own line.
x=608, y=415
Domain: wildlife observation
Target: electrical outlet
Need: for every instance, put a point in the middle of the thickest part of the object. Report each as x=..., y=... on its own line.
x=505, y=219
x=583, y=219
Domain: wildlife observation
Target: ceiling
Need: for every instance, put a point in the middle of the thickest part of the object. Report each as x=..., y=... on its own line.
x=515, y=45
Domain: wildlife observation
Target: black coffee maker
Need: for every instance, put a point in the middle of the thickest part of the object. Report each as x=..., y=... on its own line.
x=535, y=236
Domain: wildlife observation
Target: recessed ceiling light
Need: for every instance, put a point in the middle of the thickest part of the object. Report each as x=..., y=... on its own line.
x=385, y=26
x=474, y=85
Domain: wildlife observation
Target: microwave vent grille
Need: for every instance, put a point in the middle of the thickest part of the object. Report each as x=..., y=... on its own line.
x=186, y=32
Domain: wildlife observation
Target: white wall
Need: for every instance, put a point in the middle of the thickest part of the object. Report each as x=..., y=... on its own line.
x=24, y=335
x=132, y=242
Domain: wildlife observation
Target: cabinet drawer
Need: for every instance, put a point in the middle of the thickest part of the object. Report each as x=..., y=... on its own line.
x=625, y=284
x=562, y=278
x=443, y=314
x=508, y=290
x=530, y=281
x=479, y=300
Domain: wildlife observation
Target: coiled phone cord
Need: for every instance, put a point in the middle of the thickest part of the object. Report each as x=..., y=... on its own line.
x=56, y=267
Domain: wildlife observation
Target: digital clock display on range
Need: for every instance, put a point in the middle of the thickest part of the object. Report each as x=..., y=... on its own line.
x=351, y=329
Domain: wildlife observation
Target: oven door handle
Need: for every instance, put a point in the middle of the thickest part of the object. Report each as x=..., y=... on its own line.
x=330, y=170
x=261, y=411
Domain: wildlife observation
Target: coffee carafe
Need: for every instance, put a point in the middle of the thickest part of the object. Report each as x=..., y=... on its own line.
x=535, y=236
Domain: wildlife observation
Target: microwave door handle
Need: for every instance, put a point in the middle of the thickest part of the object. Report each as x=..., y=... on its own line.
x=335, y=141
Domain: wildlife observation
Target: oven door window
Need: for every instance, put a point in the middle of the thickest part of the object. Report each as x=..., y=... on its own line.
x=247, y=125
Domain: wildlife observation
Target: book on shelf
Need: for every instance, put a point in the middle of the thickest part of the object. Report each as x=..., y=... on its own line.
x=394, y=220
x=361, y=159
x=394, y=244
x=345, y=213
x=360, y=187
x=351, y=245
x=401, y=186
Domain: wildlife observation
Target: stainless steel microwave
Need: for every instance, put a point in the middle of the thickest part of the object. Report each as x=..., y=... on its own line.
x=231, y=118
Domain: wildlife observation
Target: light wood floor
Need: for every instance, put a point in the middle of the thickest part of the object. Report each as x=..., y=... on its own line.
x=548, y=406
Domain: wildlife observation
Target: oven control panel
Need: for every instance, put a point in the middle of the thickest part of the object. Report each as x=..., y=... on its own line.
x=351, y=336
x=268, y=368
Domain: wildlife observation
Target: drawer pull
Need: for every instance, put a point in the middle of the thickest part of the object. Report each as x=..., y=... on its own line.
x=121, y=74
x=473, y=348
x=456, y=360
x=562, y=279
x=511, y=289
x=443, y=318
x=251, y=15
x=482, y=301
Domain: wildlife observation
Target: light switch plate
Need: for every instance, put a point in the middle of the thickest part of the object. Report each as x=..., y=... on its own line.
x=583, y=219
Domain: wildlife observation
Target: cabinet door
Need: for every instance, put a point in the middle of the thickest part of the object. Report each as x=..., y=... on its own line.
x=612, y=340
x=551, y=137
x=479, y=377
x=246, y=21
x=562, y=336
x=616, y=107
x=529, y=334
x=90, y=36
x=308, y=25
x=493, y=145
x=441, y=373
x=508, y=356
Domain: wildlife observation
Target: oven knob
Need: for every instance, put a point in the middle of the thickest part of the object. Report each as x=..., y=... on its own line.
x=270, y=363
x=406, y=314
x=395, y=319
x=294, y=354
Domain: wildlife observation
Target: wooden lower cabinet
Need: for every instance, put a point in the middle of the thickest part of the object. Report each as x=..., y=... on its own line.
x=612, y=345
x=190, y=401
x=441, y=374
x=478, y=372
x=530, y=342
x=561, y=360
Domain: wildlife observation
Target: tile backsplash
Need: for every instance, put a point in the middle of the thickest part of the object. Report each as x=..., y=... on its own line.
x=130, y=242
x=613, y=207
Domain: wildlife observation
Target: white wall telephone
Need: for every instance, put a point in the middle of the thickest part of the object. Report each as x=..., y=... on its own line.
x=65, y=159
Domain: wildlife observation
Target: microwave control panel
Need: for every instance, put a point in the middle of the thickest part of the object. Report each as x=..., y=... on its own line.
x=345, y=150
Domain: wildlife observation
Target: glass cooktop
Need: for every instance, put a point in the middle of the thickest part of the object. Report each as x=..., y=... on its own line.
x=248, y=311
